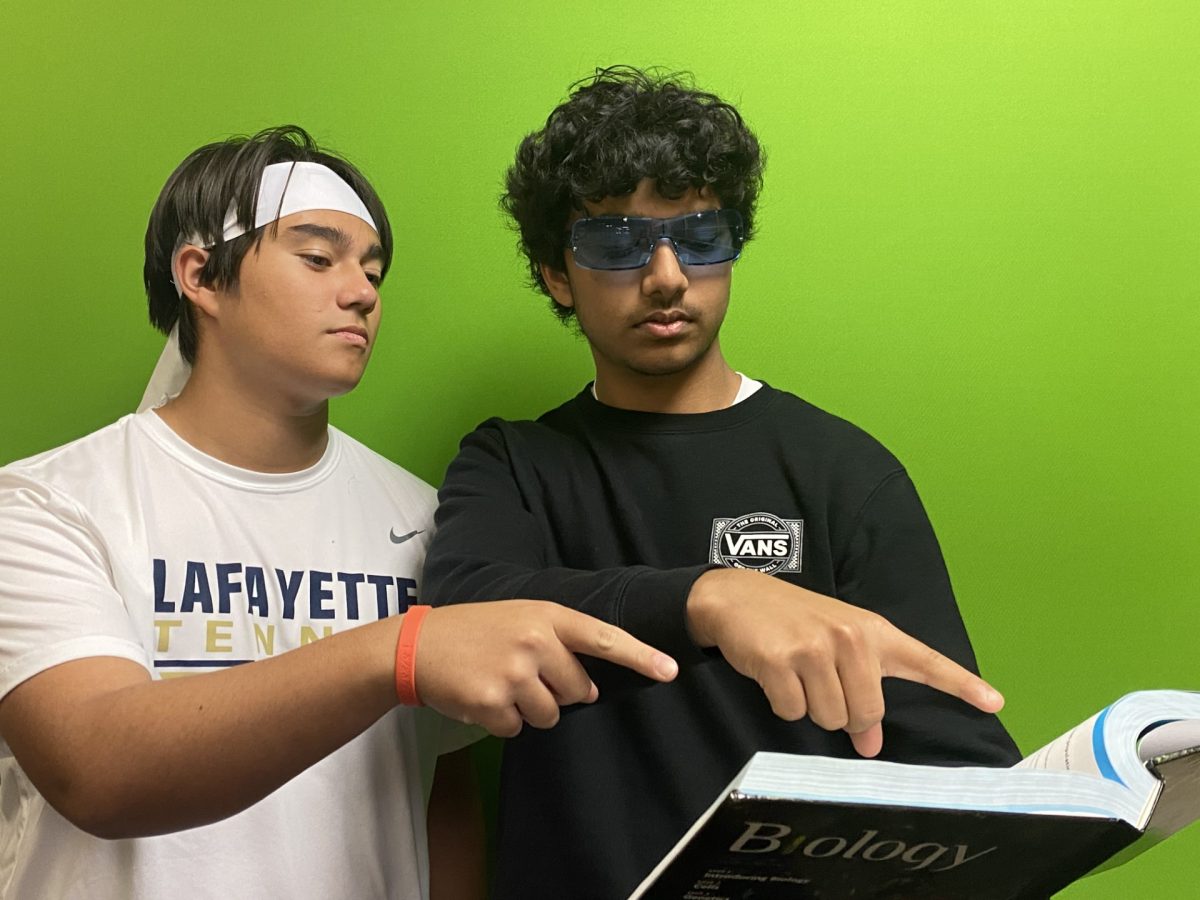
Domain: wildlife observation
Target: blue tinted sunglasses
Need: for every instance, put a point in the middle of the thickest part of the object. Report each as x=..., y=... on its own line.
x=625, y=242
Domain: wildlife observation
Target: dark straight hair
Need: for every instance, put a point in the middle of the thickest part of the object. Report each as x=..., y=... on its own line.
x=200, y=193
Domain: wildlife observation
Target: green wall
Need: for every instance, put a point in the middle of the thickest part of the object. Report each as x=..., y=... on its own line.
x=980, y=240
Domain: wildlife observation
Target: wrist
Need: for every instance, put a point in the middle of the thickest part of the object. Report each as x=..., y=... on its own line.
x=709, y=594
x=406, y=655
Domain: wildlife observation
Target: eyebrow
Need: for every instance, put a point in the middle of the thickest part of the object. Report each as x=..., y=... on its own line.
x=337, y=237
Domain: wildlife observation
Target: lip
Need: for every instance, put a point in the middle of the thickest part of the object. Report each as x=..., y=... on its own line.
x=351, y=334
x=665, y=323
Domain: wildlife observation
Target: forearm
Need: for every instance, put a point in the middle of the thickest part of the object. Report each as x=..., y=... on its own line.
x=648, y=603
x=127, y=756
x=496, y=541
x=120, y=755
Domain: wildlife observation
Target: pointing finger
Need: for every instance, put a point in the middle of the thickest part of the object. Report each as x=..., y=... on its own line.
x=581, y=633
x=911, y=660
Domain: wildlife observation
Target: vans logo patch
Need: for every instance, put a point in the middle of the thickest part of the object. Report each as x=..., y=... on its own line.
x=760, y=542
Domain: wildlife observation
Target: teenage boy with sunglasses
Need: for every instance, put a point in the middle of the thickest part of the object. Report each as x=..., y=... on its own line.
x=703, y=511
x=232, y=536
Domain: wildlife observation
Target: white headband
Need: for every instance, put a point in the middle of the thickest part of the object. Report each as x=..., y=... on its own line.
x=288, y=188
x=285, y=188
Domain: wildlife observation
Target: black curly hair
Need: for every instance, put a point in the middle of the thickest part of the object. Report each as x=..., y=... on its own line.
x=619, y=126
x=196, y=198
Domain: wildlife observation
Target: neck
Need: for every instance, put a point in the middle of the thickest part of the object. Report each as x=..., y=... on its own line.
x=708, y=385
x=246, y=429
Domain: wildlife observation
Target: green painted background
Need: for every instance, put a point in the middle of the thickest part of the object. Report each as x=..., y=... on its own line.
x=980, y=240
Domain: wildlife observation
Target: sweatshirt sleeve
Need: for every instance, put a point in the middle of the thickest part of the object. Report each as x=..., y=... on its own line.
x=491, y=544
x=893, y=566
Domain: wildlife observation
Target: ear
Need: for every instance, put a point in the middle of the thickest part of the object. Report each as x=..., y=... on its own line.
x=559, y=285
x=189, y=262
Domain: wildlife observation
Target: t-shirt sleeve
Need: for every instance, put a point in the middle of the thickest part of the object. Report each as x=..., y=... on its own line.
x=57, y=598
x=490, y=545
x=894, y=566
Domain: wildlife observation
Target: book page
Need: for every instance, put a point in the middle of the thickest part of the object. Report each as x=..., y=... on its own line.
x=1124, y=743
x=1168, y=738
x=873, y=782
x=1070, y=752
x=1075, y=750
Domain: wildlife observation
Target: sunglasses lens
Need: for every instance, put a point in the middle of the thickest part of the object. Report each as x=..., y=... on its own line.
x=700, y=239
x=610, y=243
x=713, y=236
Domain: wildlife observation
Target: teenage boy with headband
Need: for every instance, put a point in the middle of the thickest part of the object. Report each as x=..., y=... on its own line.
x=704, y=512
x=232, y=536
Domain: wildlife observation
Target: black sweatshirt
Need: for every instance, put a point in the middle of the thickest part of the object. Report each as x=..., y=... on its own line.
x=617, y=513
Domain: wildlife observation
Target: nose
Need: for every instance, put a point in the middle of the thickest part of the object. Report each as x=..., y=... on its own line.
x=359, y=292
x=663, y=277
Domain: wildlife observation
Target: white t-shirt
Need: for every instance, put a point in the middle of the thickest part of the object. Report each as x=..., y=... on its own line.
x=132, y=543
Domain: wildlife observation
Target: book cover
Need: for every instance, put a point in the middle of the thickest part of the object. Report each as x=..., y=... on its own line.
x=817, y=827
x=759, y=849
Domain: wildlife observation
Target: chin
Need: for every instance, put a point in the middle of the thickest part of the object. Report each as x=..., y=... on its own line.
x=339, y=390
x=337, y=384
x=668, y=363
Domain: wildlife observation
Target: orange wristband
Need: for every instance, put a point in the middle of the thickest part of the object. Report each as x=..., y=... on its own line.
x=406, y=655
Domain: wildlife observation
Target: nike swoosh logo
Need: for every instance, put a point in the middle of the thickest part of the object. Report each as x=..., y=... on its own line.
x=404, y=537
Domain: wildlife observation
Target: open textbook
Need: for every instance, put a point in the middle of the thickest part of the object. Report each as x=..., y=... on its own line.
x=792, y=826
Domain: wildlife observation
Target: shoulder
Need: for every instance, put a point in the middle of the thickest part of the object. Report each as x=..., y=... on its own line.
x=824, y=434
x=96, y=445
x=797, y=415
x=54, y=508
x=822, y=449
x=551, y=428
x=361, y=462
x=76, y=467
